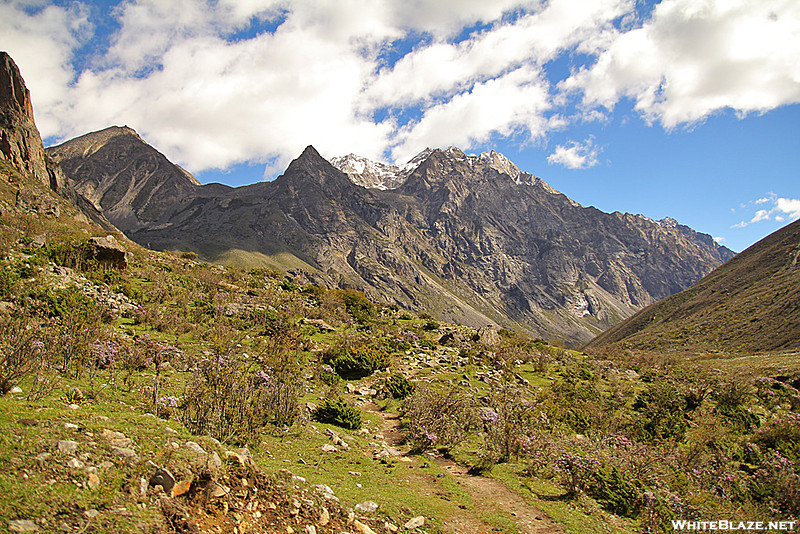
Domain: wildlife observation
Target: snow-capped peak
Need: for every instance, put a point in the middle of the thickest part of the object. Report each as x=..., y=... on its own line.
x=379, y=175
x=372, y=174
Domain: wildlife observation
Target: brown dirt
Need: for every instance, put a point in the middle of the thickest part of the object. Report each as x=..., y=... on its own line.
x=488, y=494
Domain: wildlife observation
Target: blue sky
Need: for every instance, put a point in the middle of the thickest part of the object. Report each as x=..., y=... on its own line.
x=681, y=108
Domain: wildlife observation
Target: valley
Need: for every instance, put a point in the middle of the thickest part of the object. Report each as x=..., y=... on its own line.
x=400, y=358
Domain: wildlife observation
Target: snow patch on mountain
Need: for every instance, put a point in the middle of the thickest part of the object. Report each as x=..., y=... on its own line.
x=378, y=175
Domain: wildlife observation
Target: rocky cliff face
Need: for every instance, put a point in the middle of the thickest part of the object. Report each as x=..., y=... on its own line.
x=20, y=142
x=470, y=238
x=748, y=305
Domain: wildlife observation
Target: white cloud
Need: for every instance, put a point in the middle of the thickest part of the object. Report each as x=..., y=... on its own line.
x=789, y=206
x=41, y=44
x=720, y=240
x=515, y=101
x=575, y=155
x=782, y=209
x=695, y=57
x=444, y=67
x=207, y=84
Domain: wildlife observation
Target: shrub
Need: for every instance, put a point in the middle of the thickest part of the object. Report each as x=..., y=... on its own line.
x=20, y=345
x=430, y=326
x=288, y=286
x=783, y=435
x=438, y=419
x=356, y=361
x=358, y=306
x=8, y=279
x=328, y=376
x=663, y=412
x=617, y=491
x=427, y=344
x=577, y=471
x=338, y=412
x=399, y=386
x=230, y=402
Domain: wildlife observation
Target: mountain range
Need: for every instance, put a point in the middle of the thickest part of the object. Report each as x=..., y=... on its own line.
x=468, y=238
x=472, y=239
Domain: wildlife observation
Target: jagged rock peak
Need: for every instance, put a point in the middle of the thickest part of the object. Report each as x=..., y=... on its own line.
x=13, y=92
x=668, y=222
x=20, y=142
x=309, y=155
x=379, y=175
x=90, y=143
x=310, y=163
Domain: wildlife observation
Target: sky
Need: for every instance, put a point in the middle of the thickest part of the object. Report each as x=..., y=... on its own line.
x=681, y=108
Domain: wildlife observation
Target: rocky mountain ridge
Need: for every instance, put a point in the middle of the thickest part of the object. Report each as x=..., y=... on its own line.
x=749, y=304
x=378, y=175
x=470, y=238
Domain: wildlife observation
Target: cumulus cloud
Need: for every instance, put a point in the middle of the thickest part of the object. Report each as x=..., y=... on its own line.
x=497, y=106
x=575, y=155
x=533, y=39
x=781, y=210
x=213, y=83
x=695, y=57
x=41, y=43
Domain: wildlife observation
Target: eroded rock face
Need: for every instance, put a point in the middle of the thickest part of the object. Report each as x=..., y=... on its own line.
x=20, y=142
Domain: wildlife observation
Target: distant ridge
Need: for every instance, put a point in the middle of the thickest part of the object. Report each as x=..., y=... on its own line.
x=750, y=304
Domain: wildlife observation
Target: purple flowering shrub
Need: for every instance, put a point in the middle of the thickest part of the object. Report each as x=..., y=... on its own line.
x=21, y=351
x=231, y=397
x=438, y=419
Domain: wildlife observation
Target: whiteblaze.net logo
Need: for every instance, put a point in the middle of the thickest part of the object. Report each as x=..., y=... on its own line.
x=733, y=526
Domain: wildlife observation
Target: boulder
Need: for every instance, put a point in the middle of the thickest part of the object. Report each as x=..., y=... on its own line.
x=66, y=445
x=22, y=525
x=367, y=506
x=415, y=522
x=108, y=253
x=163, y=478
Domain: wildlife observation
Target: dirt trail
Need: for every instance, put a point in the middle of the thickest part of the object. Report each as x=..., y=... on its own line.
x=488, y=494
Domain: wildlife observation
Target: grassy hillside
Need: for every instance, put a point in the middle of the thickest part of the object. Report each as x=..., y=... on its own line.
x=177, y=396
x=750, y=304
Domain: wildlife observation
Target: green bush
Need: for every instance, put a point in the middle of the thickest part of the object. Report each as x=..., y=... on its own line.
x=8, y=279
x=328, y=376
x=339, y=413
x=430, y=326
x=356, y=362
x=617, y=491
x=427, y=344
x=289, y=286
x=399, y=386
x=357, y=305
x=663, y=412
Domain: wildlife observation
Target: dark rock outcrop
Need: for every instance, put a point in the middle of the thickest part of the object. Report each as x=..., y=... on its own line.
x=21, y=148
x=108, y=253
